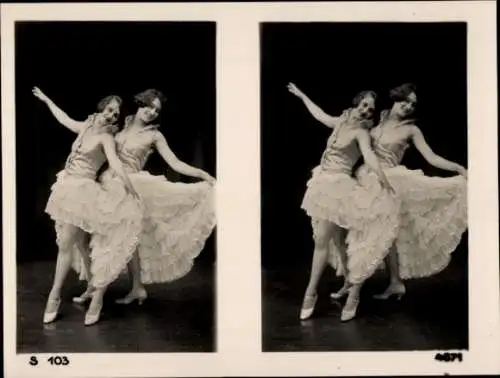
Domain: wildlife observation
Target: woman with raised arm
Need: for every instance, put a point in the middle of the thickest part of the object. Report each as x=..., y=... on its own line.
x=178, y=217
x=79, y=205
x=336, y=202
x=433, y=212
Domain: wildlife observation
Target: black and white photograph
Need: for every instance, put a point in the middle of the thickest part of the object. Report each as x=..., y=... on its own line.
x=115, y=153
x=249, y=189
x=364, y=186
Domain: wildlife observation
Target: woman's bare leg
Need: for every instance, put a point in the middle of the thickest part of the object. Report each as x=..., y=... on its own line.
x=353, y=290
x=339, y=237
x=396, y=285
x=138, y=291
x=322, y=237
x=351, y=305
x=68, y=234
x=393, y=264
x=135, y=266
x=320, y=256
x=94, y=311
x=84, y=249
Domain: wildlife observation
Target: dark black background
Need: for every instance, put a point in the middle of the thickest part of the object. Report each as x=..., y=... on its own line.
x=331, y=62
x=78, y=63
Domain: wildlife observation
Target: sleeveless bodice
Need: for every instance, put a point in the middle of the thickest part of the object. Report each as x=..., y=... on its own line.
x=85, y=158
x=342, y=151
x=135, y=147
x=390, y=143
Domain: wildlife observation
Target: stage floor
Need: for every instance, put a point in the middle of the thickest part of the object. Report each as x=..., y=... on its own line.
x=433, y=315
x=176, y=317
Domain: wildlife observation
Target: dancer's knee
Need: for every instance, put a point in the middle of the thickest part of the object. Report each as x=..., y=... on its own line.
x=68, y=237
x=322, y=236
x=65, y=244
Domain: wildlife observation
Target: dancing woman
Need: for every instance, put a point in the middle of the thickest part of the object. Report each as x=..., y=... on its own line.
x=178, y=217
x=79, y=205
x=336, y=202
x=433, y=213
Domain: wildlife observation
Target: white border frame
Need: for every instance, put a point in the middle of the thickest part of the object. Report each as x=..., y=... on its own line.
x=238, y=148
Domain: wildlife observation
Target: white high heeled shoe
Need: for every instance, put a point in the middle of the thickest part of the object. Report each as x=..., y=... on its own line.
x=397, y=290
x=305, y=313
x=91, y=319
x=139, y=295
x=351, y=307
x=344, y=290
x=49, y=317
x=86, y=296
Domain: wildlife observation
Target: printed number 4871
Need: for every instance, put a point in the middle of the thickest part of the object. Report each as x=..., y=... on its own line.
x=449, y=357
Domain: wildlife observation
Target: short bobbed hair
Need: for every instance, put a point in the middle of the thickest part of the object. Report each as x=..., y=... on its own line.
x=361, y=95
x=401, y=92
x=107, y=100
x=147, y=97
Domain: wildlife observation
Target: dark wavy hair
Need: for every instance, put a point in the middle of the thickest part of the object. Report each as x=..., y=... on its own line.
x=106, y=100
x=361, y=95
x=401, y=92
x=146, y=98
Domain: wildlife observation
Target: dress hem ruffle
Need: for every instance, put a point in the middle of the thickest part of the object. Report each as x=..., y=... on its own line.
x=371, y=217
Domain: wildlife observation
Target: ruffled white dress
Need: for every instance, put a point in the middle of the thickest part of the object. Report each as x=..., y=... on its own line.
x=334, y=195
x=178, y=217
x=433, y=213
x=78, y=199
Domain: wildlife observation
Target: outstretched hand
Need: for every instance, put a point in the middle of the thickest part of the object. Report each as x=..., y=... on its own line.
x=209, y=179
x=462, y=171
x=292, y=88
x=39, y=94
x=201, y=174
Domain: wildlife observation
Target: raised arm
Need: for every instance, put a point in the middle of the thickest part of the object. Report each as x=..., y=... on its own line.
x=364, y=142
x=58, y=113
x=314, y=109
x=431, y=157
x=108, y=144
x=168, y=155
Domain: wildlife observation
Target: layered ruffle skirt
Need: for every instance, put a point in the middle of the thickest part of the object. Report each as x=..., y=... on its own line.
x=370, y=214
x=178, y=219
x=114, y=220
x=433, y=218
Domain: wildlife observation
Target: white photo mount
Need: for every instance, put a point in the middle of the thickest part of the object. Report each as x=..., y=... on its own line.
x=238, y=320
